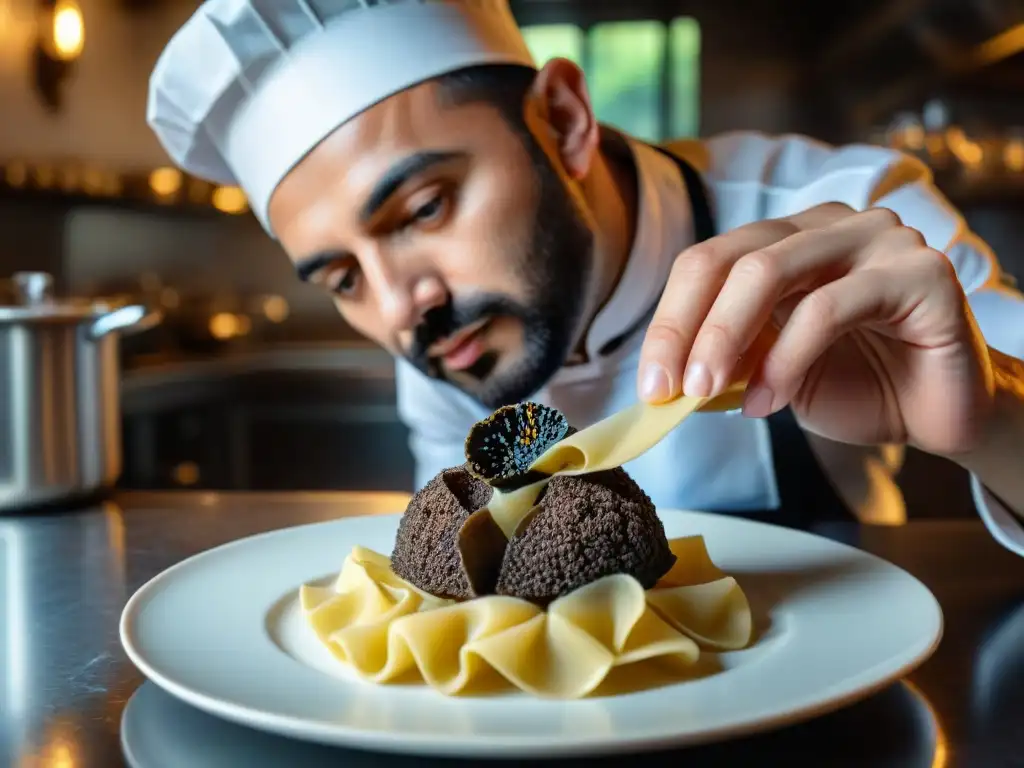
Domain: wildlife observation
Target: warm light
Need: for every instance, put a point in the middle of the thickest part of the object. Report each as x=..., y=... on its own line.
x=44, y=176
x=92, y=181
x=16, y=174
x=940, y=754
x=186, y=473
x=114, y=185
x=229, y=199
x=68, y=30
x=224, y=325
x=69, y=179
x=60, y=749
x=913, y=136
x=165, y=181
x=61, y=757
x=935, y=144
x=1003, y=46
x=115, y=529
x=968, y=152
x=169, y=298
x=1013, y=155
x=908, y=132
x=275, y=308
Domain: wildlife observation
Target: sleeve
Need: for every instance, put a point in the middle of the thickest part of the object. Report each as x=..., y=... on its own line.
x=906, y=188
x=438, y=418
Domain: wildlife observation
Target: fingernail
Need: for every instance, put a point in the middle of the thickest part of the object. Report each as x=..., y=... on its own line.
x=758, y=402
x=656, y=384
x=697, y=382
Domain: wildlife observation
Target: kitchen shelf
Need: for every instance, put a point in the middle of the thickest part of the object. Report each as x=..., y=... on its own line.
x=299, y=419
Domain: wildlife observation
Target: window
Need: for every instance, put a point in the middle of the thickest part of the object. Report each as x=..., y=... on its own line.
x=643, y=76
x=684, y=85
x=549, y=41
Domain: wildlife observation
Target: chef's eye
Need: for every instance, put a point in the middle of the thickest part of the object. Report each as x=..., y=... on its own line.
x=343, y=281
x=428, y=214
x=431, y=209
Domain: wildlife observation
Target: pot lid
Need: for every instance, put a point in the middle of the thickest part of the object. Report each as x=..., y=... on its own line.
x=32, y=300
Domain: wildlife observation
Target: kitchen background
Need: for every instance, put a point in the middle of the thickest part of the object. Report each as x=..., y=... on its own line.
x=252, y=381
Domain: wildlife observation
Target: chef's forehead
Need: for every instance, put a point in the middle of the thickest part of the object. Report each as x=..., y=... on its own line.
x=357, y=154
x=421, y=117
x=439, y=128
x=466, y=107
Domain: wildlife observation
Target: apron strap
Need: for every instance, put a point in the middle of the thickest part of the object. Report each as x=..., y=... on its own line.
x=806, y=493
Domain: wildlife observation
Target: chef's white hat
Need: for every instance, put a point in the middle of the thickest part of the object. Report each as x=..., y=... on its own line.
x=246, y=88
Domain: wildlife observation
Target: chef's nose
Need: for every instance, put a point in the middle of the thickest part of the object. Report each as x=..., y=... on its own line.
x=404, y=298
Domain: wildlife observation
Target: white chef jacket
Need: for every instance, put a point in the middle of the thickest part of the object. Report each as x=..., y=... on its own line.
x=723, y=461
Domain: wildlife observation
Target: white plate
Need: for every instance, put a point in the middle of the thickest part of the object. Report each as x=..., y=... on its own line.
x=222, y=631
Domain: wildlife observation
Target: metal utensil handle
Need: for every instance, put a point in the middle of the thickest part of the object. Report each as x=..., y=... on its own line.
x=131, y=319
x=33, y=288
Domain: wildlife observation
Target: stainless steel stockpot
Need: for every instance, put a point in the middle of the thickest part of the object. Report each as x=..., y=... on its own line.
x=60, y=416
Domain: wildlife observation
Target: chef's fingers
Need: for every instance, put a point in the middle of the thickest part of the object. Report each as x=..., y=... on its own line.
x=822, y=215
x=700, y=272
x=761, y=279
x=697, y=276
x=864, y=296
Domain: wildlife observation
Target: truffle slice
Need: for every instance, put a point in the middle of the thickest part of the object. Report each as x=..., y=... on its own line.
x=501, y=448
x=585, y=527
x=426, y=551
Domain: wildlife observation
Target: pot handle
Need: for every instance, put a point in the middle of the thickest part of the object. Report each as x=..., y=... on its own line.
x=131, y=319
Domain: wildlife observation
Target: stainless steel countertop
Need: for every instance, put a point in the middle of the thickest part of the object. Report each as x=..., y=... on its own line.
x=65, y=680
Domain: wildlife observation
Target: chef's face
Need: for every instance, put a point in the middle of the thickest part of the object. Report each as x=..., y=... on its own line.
x=450, y=236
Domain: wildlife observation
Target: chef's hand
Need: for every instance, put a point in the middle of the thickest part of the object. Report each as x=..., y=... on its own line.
x=876, y=343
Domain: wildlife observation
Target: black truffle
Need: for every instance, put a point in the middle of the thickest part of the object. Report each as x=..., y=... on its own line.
x=580, y=529
x=426, y=552
x=586, y=527
x=583, y=527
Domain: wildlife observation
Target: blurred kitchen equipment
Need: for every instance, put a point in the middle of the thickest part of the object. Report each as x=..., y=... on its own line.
x=60, y=418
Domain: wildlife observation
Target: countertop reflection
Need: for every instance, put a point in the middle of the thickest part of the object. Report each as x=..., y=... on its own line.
x=161, y=732
x=65, y=681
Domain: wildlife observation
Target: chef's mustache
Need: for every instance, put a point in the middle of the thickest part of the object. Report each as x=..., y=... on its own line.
x=441, y=322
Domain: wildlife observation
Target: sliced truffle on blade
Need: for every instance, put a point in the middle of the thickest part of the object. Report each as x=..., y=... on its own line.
x=586, y=527
x=426, y=551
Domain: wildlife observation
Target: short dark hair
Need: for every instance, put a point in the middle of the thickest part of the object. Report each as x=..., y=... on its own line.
x=502, y=86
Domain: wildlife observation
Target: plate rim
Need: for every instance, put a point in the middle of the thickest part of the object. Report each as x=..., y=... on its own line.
x=494, y=746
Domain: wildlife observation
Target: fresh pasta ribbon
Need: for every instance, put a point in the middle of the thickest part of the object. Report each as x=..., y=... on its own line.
x=385, y=629
x=630, y=433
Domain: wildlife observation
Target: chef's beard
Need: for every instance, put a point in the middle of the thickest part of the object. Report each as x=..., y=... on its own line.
x=555, y=272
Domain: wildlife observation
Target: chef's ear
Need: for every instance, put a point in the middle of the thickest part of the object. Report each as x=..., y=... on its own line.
x=562, y=102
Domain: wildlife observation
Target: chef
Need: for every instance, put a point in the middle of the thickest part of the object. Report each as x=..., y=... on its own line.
x=466, y=210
